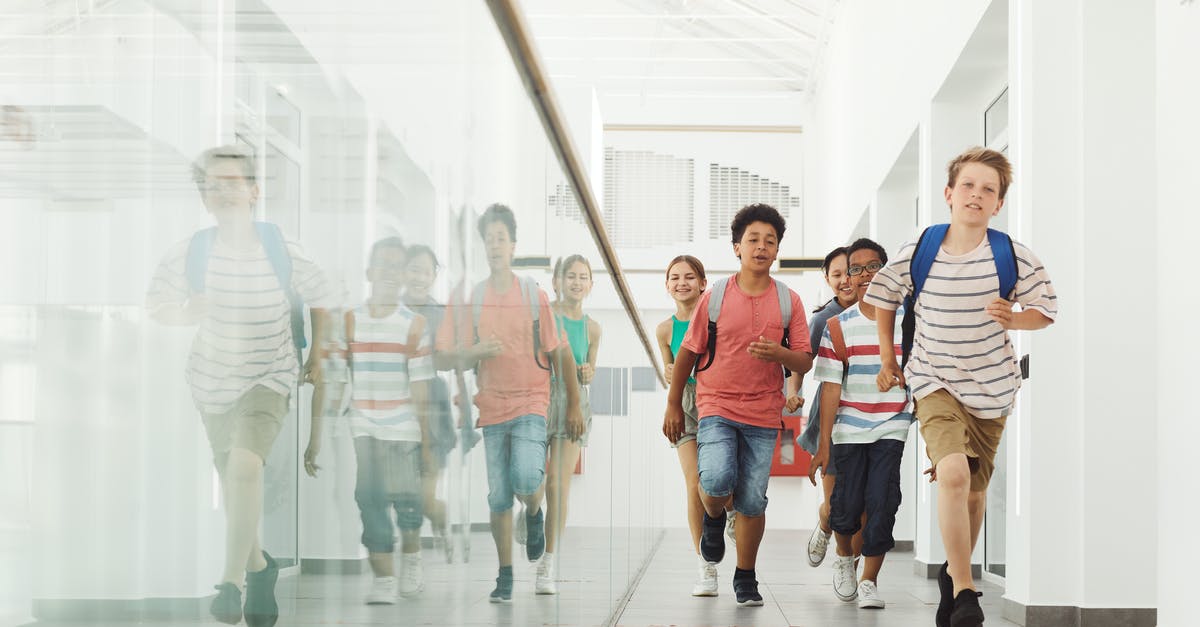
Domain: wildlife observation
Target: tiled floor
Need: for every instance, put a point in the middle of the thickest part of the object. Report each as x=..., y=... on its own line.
x=456, y=594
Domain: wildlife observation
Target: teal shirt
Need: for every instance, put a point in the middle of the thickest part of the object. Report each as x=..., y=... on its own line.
x=577, y=337
x=678, y=330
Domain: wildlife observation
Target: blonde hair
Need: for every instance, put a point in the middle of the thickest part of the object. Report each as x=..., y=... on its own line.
x=985, y=156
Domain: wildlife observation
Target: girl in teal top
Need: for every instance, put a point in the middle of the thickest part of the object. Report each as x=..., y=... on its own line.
x=685, y=283
x=572, y=284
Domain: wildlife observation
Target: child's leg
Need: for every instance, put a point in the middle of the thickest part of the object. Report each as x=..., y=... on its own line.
x=882, y=502
x=827, y=483
x=848, y=500
x=954, y=481
x=691, y=480
x=716, y=462
x=243, y=486
x=434, y=508
x=377, y=534
x=564, y=455
x=756, y=446
x=500, y=495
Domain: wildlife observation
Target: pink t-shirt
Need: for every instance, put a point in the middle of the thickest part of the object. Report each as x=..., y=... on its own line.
x=510, y=384
x=738, y=386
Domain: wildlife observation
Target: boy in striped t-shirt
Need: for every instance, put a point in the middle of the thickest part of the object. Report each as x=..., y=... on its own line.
x=244, y=362
x=963, y=371
x=391, y=365
x=864, y=430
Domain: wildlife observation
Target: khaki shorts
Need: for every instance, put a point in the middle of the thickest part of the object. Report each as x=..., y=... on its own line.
x=252, y=424
x=948, y=429
x=556, y=415
x=691, y=422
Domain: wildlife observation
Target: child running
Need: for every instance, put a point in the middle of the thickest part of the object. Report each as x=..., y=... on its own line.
x=564, y=439
x=864, y=430
x=685, y=283
x=962, y=369
x=739, y=389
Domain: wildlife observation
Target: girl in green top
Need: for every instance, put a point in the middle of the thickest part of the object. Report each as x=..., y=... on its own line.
x=572, y=284
x=685, y=284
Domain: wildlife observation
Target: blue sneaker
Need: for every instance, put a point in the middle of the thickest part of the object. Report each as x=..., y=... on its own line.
x=535, y=536
x=503, y=591
x=261, y=609
x=227, y=606
x=712, y=539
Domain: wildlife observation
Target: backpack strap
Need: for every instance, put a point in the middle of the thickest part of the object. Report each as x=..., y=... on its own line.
x=196, y=264
x=281, y=261
x=838, y=339
x=529, y=288
x=785, y=312
x=1005, y=255
x=922, y=260
x=715, y=298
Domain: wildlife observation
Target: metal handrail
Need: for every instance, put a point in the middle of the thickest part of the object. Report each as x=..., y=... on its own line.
x=515, y=31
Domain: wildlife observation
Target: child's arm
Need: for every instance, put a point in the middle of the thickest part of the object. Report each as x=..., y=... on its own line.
x=588, y=370
x=890, y=374
x=316, y=355
x=420, y=399
x=565, y=364
x=1001, y=312
x=793, y=399
x=664, y=349
x=685, y=361
x=831, y=396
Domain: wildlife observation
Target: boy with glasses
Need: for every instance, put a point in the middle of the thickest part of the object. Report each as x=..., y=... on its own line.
x=963, y=371
x=864, y=430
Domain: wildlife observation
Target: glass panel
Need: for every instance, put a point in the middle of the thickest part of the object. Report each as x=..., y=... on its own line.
x=166, y=401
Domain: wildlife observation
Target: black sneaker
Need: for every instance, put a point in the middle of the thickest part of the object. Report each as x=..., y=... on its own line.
x=503, y=591
x=535, y=536
x=967, y=612
x=261, y=609
x=745, y=586
x=946, y=602
x=227, y=607
x=712, y=539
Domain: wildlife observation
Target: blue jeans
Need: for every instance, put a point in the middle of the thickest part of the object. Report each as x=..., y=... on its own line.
x=516, y=459
x=868, y=480
x=735, y=458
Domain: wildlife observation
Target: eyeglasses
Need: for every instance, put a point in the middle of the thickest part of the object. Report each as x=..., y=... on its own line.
x=224, y=184
x=874, y=266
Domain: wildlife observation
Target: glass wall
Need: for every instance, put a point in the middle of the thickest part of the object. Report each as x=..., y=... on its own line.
x=158, y=422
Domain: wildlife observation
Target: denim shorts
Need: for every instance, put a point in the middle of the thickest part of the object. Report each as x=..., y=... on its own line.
x=516, y=459
x=735, y=458
x=389, y=477
x=869, y=482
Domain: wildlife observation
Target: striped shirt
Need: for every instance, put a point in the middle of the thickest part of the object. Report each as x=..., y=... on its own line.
x=386, y=357
x=245, y=338
x=957, y=347
x=864, y=414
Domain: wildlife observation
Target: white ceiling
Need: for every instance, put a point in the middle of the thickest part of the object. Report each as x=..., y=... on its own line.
x=676, y=47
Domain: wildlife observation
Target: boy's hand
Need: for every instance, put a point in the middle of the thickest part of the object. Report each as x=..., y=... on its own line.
x=932, y=472
x=487, y=349
x=767, y=350
x=310, y=457
x=673, y=422
x=575, y=424
x=793, y=403
x=586, y=374
x=890, y=375
x=1000, y=311
x=820, y=460
x=312, y=368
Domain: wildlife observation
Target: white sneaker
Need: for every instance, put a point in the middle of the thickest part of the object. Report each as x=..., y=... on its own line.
x=845, y=581
x=412, y=579
x=383, y=591
x=868, y=596
x=818, y=546
x=706, y=585
x=519, y=531
x=730, y=517
x=544, y=583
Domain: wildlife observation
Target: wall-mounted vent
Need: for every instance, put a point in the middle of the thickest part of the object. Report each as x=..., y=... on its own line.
x=648, y=198
x=732, y=188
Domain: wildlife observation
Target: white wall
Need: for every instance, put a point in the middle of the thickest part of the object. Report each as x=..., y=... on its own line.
x=1178, y=51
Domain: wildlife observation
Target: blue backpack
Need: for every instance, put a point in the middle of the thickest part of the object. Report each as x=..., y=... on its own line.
x=196, y=268
x=928, y=245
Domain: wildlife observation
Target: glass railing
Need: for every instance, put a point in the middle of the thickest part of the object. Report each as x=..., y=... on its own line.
x=179, y=181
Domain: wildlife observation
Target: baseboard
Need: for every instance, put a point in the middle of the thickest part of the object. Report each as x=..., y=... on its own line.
x=1072, y=616
x=930, y=571
x=903, y=546
x=121, y=610
x=316, y=566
